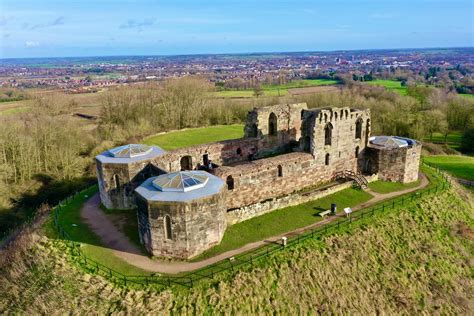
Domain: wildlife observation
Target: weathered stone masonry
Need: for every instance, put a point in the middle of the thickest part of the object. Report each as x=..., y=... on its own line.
x=286, y=148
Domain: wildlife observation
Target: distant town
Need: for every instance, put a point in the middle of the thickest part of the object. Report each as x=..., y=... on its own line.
x=445, y=67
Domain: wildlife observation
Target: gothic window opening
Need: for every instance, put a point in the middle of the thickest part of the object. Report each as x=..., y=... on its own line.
x=326, y=160
x=272, y=124
x=358, y=131
x=280, y=171
x=328, y=134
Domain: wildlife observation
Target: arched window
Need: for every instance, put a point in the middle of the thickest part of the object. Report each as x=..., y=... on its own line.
x=367, y=131
x=167, y=224
x=272, y=124
x=280, y=171
x=186, y=163
x=357, y=152
x=358, y=133
x=230, y=183
x=335, y=115
x=326, y=160
x=116, y=181
x=328, y=134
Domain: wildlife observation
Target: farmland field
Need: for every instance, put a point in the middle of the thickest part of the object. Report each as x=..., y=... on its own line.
x=274, y=90
x=195, y=136
x=392, y=85
x=458, y=166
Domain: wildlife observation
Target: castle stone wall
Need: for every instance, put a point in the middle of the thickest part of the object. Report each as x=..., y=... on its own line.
x=247, y=212
x=196, y=225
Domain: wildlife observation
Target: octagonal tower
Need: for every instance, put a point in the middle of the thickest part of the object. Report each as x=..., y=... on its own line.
x=181, y=214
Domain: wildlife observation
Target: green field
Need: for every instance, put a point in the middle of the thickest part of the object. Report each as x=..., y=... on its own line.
x=458, y=166
x=392, y=85
x=274, y=90
x=387, y=187
x=453, y=139
x=195, y=136
x=284, y=220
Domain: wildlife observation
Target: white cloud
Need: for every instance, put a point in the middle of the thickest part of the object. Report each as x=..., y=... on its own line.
x=31, y=44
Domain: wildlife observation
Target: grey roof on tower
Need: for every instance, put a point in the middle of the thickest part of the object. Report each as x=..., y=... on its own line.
x=391, y=141
x=180, y=186
x=130, y=153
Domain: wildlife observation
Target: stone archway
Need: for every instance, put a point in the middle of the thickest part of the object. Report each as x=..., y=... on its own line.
x=186, y=163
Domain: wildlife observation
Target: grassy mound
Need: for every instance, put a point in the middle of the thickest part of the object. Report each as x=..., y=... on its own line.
x=195, y=136
x=412, y=260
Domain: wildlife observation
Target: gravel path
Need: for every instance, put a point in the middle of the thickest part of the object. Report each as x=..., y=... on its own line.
x=121, y=246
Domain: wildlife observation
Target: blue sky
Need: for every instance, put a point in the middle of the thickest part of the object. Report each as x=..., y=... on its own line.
x=54, y=28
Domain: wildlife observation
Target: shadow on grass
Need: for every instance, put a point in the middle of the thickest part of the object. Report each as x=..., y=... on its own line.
x=50, y=192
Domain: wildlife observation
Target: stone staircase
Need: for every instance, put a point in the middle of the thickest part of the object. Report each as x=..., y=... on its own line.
x=356, y=177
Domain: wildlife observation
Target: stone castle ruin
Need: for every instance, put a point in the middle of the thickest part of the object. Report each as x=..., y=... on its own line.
x=186, y=198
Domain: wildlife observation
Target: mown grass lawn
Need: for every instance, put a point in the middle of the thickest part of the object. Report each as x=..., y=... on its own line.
x=283, y=220
x=195, y=136
x=458, y=166
x=387, y=187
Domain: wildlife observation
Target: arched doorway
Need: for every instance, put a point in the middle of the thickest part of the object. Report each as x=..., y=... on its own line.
x=186, y=163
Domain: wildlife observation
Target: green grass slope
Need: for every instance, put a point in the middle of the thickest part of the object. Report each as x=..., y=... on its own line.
x=412, y=260
x=458, y=166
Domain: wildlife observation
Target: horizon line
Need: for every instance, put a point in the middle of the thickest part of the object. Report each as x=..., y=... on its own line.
x=250, y=53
